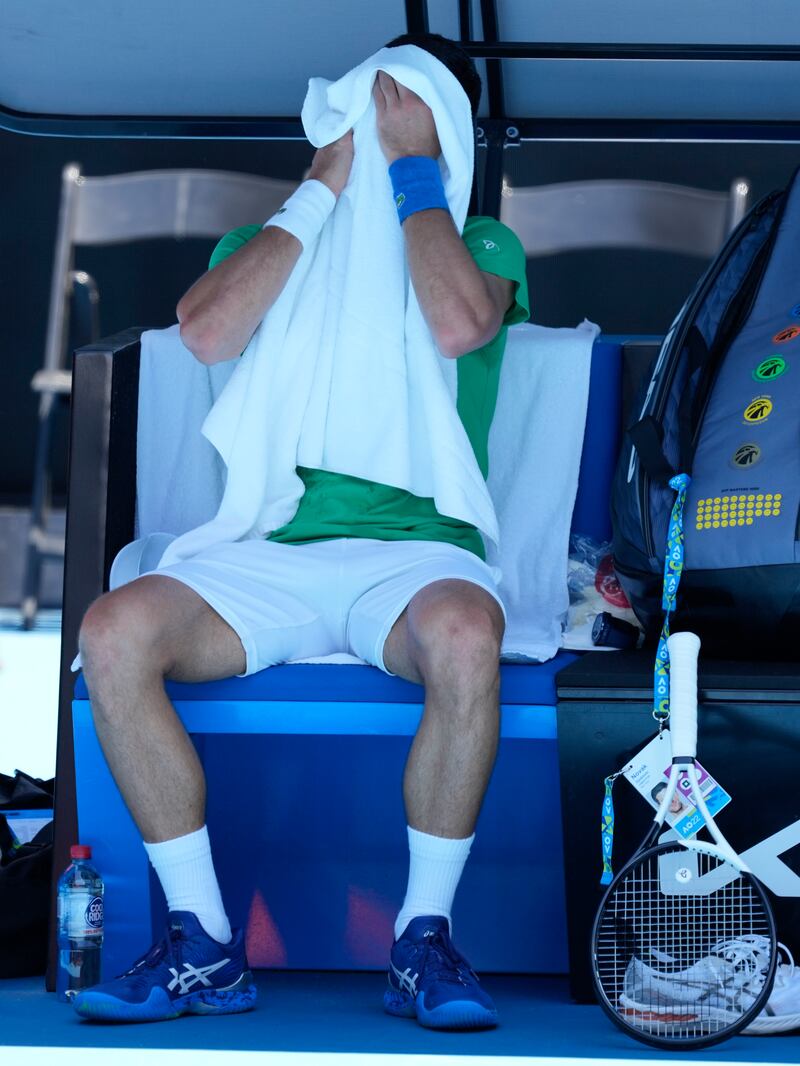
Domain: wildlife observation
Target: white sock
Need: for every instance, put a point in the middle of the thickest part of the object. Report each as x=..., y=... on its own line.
x=435, y=868
x=186, y=872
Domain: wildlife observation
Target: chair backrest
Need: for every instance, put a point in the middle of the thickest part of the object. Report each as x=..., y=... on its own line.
x=146, y=204
x=622, y=214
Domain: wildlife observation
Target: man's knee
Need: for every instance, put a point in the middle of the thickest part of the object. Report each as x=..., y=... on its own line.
x=122, y=627
x=457, y=638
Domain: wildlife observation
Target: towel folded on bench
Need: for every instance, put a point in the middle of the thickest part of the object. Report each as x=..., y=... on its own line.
x=535, y=448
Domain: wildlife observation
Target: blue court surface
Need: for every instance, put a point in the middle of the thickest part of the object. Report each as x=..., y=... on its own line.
x=337, y=1018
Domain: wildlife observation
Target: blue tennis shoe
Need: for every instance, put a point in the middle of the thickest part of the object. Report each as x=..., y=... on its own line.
x=188, y=972
x=431, y=981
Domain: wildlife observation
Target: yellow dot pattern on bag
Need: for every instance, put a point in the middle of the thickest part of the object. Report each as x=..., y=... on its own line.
x=730, y=512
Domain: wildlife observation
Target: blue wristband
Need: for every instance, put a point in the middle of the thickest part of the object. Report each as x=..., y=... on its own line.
x=417, y=185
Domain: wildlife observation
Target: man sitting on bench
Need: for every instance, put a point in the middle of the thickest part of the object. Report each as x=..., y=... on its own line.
x=363, y=568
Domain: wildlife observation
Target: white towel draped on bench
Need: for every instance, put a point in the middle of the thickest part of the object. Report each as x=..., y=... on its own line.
x=534, y=456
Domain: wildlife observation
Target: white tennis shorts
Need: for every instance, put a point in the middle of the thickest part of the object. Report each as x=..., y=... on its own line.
x=297, y=601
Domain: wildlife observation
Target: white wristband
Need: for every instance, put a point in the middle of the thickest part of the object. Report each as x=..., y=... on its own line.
x=305, y=212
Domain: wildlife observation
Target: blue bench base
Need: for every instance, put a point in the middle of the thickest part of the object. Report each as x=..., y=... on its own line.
x=307, y=824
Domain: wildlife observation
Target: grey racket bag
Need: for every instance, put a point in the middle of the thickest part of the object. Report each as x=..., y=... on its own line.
x=723, y=405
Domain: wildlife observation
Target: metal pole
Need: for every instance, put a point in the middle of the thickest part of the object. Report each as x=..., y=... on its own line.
x=465, y=34
x=494, y=71
x=495, y=140
x=704, y=53
x=417, y=16
x=465, y=20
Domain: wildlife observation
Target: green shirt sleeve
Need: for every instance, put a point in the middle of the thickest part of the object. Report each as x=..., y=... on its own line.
x=231, y=243
x=497, y=250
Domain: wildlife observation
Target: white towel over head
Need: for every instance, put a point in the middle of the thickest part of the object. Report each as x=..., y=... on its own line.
x=343, y=373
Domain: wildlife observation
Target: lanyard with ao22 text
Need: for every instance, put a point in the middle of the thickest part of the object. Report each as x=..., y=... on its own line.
x=673, y=568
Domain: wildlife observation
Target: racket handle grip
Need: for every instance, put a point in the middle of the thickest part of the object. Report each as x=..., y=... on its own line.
x=684, y=649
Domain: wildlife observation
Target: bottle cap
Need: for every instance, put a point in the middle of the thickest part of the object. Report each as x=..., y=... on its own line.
x=80, y=851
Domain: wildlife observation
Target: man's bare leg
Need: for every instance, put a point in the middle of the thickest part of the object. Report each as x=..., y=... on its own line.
x=130, y=641
x=448, y=639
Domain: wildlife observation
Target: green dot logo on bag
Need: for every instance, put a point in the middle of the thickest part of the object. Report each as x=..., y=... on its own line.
x=771, y=368
x=758, y=410
x=746, y=455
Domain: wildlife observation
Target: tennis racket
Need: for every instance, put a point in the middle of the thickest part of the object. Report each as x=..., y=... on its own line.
x=683, y=944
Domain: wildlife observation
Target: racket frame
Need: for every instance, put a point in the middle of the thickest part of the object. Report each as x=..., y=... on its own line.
x=684, y=650
x=652, y=849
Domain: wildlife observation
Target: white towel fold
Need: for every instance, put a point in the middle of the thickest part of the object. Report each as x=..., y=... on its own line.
x=535, y=446
x=176, y=393
x=343, y=373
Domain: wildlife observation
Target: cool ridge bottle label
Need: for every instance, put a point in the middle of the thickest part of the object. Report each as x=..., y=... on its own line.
x=84, y=915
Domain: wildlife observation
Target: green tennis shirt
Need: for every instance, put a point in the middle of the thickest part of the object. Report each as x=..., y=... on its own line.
x=338, y=505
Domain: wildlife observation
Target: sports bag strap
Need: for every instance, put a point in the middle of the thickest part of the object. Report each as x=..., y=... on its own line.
x=646, y=438
x=693, y=395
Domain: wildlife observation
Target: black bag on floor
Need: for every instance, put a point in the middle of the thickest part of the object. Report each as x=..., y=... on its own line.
x=24, y=880
x=723, y=405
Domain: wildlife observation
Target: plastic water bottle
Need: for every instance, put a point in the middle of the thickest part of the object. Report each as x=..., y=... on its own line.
x=80, y=925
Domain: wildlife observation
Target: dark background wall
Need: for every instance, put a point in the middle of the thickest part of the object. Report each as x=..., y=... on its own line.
x=623, y=291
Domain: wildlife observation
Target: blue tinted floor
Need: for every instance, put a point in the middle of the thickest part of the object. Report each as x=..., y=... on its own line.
x=329, y=1012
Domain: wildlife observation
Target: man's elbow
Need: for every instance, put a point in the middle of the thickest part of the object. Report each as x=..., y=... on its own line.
x=468, y=333
x=192, y=340
x=197, y=339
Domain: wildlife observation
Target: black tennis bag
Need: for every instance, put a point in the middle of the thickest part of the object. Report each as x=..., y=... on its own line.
x=723, y=405
x=24, y=880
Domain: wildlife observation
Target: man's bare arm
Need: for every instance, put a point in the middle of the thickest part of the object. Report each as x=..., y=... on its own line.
x=463, y=306
x=221, y=311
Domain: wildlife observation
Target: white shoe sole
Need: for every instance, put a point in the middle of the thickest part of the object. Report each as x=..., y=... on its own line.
x=765, y=1024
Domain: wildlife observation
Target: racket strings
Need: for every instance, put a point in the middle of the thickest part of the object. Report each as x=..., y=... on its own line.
x=683, y=945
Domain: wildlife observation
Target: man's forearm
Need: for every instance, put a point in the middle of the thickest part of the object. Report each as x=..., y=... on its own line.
x=452, y=291
x=221, y=311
